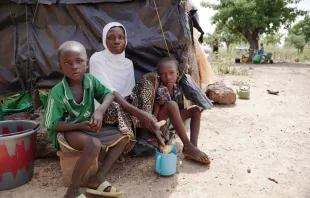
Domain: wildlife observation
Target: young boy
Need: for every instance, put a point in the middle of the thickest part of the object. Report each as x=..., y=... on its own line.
x=70, y=112
x=169, y=104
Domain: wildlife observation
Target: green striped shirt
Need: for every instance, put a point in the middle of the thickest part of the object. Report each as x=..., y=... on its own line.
x=62, y=107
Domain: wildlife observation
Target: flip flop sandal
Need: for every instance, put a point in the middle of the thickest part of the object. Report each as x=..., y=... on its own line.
x=100, y=190
x=206, y=162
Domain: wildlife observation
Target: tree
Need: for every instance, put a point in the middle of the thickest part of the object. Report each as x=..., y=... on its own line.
x=272, y=39
x=251, y=18
x=228, y=37
x=223, y=34
x=302, y=28
x=210, y=38
x=297, y=41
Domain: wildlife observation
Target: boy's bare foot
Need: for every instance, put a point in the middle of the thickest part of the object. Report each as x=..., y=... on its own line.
x=193, y=153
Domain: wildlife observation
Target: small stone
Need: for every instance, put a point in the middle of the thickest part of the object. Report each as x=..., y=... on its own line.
x=249, y=170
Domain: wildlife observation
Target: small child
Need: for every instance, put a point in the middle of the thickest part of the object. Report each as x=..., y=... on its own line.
x=70, y=112
x=169, y=103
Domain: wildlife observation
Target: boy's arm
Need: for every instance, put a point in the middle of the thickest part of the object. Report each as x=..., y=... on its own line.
x=106, y=101
x=53, y=115
x=65, y=127
x=104, y=96
x=96, y=119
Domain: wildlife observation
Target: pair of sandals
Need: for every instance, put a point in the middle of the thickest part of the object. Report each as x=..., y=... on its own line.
x=113, y=192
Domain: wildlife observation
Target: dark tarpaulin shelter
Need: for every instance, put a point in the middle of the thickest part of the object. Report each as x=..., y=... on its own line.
x=32, y=30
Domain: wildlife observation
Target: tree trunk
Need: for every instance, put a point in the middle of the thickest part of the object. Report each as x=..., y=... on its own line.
x=227, y=45
x=253, y=39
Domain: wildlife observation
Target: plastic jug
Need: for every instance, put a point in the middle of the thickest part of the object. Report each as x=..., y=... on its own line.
x=166, y=163
x=244, y=92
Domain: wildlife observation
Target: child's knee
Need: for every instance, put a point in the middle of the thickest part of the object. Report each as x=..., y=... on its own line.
x=93, y=146
x=172, y=105
x=124, y=141
x=196, y=112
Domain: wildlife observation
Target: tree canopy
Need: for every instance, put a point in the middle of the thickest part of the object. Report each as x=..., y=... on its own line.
x=272, y=39
x=223, y=34
x=302, y=28
x=252, y=18
x=296, y=41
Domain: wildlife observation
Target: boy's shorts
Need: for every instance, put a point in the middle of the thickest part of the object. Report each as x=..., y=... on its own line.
x=109, y=136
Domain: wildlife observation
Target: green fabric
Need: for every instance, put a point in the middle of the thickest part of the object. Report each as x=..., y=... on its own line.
x=43, y=99
x=62, y=107
x=256, y=59
x=18, y=103
x=269, y=55
x=1, y=114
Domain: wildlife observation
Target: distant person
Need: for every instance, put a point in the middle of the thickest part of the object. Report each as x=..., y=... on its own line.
x=261, y=51
x=216, y=46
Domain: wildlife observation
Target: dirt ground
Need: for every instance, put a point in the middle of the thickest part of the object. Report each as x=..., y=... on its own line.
x=268, y=135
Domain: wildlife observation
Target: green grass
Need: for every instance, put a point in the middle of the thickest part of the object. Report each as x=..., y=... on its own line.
x=288, y=54
x=224, y=63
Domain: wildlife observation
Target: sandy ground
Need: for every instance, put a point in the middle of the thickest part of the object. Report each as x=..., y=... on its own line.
x=267, y=134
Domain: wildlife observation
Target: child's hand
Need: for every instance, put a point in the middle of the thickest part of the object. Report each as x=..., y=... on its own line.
x=161, y=100
x=85, y=126
x=96, y=121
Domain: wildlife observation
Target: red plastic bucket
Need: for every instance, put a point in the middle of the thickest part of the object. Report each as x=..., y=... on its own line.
x=17, y=151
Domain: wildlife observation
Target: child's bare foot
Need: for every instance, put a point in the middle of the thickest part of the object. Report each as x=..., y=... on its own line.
x=193, y=153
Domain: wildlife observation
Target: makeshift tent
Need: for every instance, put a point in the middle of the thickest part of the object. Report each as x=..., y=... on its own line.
x=32, y=30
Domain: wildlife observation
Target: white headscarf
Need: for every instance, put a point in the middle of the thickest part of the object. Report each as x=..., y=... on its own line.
x=113, y=70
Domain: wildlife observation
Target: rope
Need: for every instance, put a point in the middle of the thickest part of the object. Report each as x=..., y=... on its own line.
x=11, y=15
x=35, y=12
x=162, y=30
x=161, y=27
x=28, y=50
x=184, y=68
